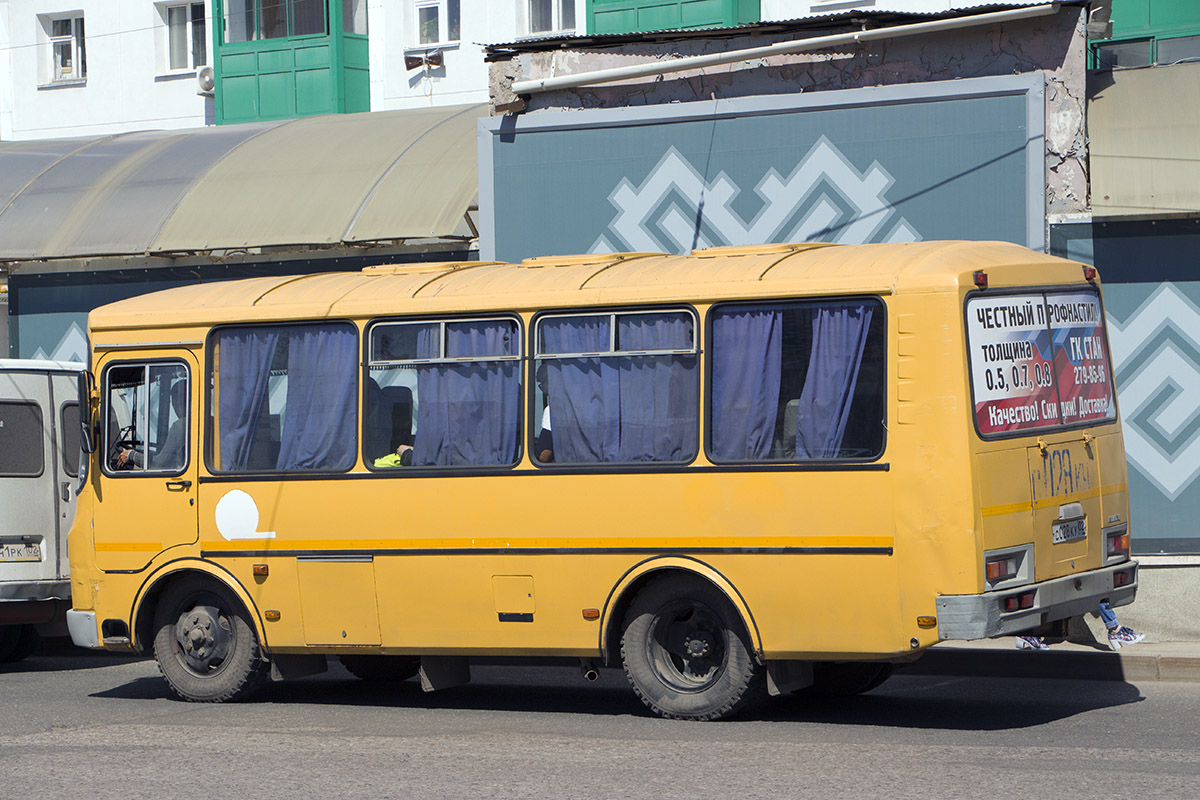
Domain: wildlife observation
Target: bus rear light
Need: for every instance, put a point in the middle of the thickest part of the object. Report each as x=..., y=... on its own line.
x=981, y=279
x=1122, y=578
x=1089, y=273
x=1017, y=602
x=1118, y=544
x=1001, y=568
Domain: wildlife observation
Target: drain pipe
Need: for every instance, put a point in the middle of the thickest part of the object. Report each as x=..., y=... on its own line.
x=796, y=46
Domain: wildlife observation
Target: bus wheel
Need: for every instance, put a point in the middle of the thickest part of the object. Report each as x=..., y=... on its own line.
x=848, y=678
x=205, y=644
x=17, y=642
x=686, y=652
x=381, y=668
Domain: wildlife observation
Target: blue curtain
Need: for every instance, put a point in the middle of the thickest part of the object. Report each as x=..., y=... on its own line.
x=583, y=393
x=839, y=338
x=626, y=408
x=467, y=414
x=322, y=410
x=243, y=372
x=747, y=356
x=659, y=403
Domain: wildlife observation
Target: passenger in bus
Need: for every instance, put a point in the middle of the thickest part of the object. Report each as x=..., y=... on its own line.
x=1118, y=634
x=401, y=458
x=543, y=443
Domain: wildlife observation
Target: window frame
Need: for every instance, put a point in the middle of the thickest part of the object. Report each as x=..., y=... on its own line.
x=166, y=31
x=443, y=16
x=211, y=388
x=536, y=357
x=875, y=461
x=257, y=27
x=556, y=18
x=105, y=405
x=443, y=319
x=76, y=41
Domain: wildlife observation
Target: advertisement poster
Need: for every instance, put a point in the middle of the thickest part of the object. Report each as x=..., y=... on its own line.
x=1038, y=360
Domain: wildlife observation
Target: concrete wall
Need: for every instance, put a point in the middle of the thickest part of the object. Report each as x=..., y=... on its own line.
x=1054, y=46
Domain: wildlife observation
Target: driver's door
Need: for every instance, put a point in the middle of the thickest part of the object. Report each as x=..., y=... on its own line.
x=146, y=484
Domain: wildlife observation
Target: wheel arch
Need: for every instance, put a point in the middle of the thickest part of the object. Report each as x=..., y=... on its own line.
x=616, y=605
x=146, y=602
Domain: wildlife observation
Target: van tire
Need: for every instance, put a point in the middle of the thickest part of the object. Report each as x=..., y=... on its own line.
x=17, y=642
x=381, y=668
x=205, y=643
x=686, y=652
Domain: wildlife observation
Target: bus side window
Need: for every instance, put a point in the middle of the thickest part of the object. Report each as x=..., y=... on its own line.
x=796, y=381
x=621, y=387
x=443, y=393
x=147, y=412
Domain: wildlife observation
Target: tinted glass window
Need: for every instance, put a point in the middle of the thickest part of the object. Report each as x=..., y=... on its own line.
x=797, y=381
x=21, y=439
x=68, y=434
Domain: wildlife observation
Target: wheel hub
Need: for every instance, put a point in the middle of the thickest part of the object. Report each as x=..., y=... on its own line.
x=698, y=645
x=202, y=637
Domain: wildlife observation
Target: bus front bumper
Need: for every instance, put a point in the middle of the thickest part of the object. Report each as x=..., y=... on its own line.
x=981, y=616
x=83, y=629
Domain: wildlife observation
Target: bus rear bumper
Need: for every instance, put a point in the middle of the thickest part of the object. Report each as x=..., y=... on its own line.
x=980, y=616
x=83, y=629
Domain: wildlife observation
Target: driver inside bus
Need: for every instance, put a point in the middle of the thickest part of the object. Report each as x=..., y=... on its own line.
x=170, y=455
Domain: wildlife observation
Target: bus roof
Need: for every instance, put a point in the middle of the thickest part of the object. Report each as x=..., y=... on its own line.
x=586, y=280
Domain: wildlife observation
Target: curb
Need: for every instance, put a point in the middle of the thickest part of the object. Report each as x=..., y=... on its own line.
x=1075, y=664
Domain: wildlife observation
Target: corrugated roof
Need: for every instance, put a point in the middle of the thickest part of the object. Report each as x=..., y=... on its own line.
x=623, y=278
x=878, y=13
x=310, y=181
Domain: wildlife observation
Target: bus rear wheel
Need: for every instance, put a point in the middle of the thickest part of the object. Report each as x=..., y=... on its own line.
x=205, y=644
x=686, y=652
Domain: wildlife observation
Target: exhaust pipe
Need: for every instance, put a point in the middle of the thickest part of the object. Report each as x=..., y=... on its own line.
x=589, y=669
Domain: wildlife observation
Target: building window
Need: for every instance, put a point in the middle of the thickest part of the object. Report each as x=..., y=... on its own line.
x=354, y=16
x=551, y=15
x=437, y=21
x=68, y=56
x=251, y=20
x=185, y=41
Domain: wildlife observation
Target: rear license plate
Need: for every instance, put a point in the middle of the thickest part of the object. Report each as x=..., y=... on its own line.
x=21, y=552
x=1069, y=530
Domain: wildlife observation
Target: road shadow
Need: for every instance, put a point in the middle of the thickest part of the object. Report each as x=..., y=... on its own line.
x=60, y=655
x=967, y=703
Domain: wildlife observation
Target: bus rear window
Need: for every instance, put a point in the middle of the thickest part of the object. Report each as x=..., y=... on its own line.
x=1038, y=360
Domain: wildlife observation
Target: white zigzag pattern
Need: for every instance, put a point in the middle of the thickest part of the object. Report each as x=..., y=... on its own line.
x=1156, y=367
x=822, y=165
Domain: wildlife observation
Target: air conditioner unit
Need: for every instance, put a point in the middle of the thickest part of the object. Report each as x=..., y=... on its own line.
x=205, y=81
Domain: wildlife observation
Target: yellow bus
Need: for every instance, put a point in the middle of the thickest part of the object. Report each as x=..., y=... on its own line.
x=739, y=472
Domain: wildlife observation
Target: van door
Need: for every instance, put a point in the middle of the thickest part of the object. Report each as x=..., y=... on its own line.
x=146, y=487
x=30, y=562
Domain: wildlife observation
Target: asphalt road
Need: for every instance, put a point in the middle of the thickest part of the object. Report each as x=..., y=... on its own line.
x=77, y=724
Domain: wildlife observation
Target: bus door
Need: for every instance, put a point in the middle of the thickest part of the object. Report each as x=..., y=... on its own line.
x=146, y=486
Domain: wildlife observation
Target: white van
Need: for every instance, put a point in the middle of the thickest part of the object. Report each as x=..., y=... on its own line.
x=39, y=476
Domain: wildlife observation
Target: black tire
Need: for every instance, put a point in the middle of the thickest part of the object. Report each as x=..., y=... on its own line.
x=205, y=643
x=847, y=678
x=17, y=642
x=686, y=652
x=381, y=668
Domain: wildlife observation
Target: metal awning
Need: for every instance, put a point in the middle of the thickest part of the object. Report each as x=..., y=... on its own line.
x=342, y=178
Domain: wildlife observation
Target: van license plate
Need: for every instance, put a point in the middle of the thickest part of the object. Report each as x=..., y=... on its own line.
x=21, y=552
x=1069, y=530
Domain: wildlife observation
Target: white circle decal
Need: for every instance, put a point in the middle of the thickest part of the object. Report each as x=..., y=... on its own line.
x=237, y=517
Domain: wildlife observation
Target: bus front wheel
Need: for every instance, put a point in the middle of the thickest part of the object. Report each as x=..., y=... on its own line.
x=686, y=652
x=205, y=644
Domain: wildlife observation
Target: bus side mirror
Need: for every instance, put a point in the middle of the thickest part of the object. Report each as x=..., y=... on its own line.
x=87, y=428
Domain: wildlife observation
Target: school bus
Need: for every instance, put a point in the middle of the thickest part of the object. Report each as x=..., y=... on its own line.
x=740, y=472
